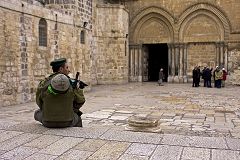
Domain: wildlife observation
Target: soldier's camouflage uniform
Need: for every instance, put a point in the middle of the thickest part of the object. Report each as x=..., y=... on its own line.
x=58, y=110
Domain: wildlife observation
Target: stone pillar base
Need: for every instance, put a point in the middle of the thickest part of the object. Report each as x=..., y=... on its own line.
x=170, y=79
x=180, y=79
x=140, y=78
x=185, y=79
x=176, y=79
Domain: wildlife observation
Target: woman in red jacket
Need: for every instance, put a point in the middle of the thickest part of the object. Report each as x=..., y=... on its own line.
x=224, y=77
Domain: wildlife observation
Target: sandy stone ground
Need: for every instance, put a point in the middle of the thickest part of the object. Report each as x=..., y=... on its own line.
x=193, y=123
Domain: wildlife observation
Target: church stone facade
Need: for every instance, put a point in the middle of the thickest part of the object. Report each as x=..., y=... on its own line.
x=114, y=41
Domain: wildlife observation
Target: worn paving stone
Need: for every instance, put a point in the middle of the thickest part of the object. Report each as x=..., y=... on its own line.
x=8, y=134
x=141, y=149
x=194, y=141
x=41, y=156
x=85, y=132
x=90, y=145
x=178, y=100
x=61, y=146
x=5, y=124
x=233, y=144
x=195, y=154
x=110, y=151
x=17, y=141
x=140, y=137
x=133, y=157
x=43, y=141
x=18, y=153
x=118, y=117
x=225, y=155
x=124, y=111
x=29, y=128
x=164, y=152
x=75, y=155
x=1, y=152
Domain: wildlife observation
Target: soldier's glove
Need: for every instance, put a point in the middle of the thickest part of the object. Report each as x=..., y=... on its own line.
x=82, y=85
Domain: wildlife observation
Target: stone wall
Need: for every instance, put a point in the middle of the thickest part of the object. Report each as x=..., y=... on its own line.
x=234, y=66
x=111, y=54
x=23, y=62
x=200, y=55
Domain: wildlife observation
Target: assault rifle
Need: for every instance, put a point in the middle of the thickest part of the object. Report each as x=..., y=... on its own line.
x=76, y=81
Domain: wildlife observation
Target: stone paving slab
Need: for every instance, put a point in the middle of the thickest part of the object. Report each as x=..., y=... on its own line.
x=110, y=151
x=17, y=141
x=29, y=128
x=225, y=155
x=18, y=153
x=141, y=149
x=195, y=141
x=165, y=152
x=6, y=124
x=1, y=152
x=233, y=144
x=75, y=155
x=43, y=141
x=90, y=145
x=195, y=154
x=129, y=136
x=8, y=134
x=61, y=146
x=85, y=132
x=41, y=156
x=133, y=157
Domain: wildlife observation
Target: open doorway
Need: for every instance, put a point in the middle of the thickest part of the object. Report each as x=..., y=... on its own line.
x=157, y=58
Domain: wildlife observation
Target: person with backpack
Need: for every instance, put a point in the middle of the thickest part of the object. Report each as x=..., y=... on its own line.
x=58, y=99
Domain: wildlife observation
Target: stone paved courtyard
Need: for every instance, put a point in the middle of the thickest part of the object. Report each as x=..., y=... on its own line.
x=194, y=123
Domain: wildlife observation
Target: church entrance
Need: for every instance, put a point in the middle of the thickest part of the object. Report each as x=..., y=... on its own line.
x=157, y=58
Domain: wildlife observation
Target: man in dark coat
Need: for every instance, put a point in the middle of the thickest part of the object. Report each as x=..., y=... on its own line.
x=208, y=76
x=195, y=75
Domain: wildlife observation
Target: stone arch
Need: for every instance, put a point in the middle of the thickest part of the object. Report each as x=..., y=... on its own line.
x=209, y=12
x=155, y=19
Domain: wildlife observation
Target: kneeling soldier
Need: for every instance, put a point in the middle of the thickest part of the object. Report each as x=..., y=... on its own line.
x=58, y=101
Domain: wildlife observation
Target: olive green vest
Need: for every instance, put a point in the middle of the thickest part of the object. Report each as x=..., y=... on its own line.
x=57, y=107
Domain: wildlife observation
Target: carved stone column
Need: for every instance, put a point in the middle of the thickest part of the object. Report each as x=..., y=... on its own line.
x=185, y=63
x=176, y=59
x=173, y=60
x=221, y=54
x=136, y=63
x=131, y=67
x=226, y=57
x=140, y=64
x=176, y=72
x=170, y=59
x=181, y=62
x=217, y=54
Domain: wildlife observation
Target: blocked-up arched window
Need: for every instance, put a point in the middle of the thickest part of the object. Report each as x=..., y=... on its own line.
x=42, y=32
x=82, y=37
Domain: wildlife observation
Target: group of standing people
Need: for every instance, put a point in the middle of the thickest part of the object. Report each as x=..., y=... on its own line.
x=219, y=75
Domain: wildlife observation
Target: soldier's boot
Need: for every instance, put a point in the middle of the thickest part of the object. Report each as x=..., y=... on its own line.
x=79, y=124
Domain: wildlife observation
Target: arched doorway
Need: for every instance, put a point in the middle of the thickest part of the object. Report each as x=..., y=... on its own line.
x=157, y=59
x=151, y=31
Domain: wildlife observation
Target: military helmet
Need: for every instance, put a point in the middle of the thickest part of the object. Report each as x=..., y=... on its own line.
x=60, y=83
